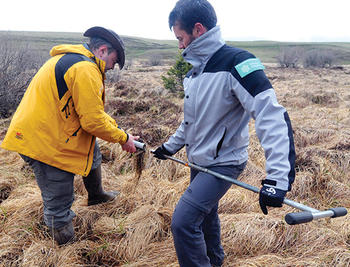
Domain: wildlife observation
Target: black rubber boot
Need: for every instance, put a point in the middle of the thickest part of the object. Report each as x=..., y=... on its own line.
x=93, y=185
x=64, y=234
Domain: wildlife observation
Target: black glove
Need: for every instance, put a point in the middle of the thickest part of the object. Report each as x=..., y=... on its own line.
x=160, y=152
x=270, y=196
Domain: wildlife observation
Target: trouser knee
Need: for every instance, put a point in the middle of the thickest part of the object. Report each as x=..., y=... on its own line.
x=57, y=191
x=185, y=219
x=178, y=226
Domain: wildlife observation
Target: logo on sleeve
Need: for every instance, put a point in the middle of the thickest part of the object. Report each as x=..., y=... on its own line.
x=19, y=135
x=248, y=66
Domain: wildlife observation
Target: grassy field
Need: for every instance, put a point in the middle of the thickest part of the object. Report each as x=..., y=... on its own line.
x=134, y=230
x=137, y=48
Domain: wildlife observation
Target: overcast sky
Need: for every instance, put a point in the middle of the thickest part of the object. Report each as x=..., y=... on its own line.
x=278, y=20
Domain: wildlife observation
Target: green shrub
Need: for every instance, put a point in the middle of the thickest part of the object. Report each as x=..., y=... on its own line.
x=175, y=76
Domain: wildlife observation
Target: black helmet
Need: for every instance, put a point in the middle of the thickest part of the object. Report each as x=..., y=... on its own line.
x=112, y=38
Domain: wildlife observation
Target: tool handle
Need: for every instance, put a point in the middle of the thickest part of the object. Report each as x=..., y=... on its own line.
x=298, y=217
x=139, y=145
x=307, y=216
x=339, y=211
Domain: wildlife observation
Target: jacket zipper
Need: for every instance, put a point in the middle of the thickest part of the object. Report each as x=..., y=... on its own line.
x=88, y=156
x=74, y=134
x=66, y=108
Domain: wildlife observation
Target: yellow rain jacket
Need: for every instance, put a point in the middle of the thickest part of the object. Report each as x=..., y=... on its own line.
x=62, y=112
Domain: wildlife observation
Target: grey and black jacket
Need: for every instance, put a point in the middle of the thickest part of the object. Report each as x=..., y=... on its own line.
x=225, y=88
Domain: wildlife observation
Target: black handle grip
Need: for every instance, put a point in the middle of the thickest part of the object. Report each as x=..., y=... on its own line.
x=340, y=211
x=298, y=217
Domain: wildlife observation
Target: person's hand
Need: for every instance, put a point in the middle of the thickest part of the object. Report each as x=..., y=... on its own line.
x=270, y=196
x=160, y=152
x=129, y=145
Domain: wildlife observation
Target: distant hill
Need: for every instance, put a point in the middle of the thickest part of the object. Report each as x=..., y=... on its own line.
x=267, y=51
x=136, y=47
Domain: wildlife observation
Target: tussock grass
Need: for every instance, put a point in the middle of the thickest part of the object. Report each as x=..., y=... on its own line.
x=134, y=230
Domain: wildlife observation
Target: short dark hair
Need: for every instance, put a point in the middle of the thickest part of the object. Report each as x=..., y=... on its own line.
x=189, y=12
x=96, y=43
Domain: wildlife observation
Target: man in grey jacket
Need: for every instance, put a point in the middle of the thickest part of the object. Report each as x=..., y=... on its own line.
x=225, y=88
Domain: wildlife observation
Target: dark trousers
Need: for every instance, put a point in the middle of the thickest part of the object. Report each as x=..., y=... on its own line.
x=195, y=224
x=57, y=189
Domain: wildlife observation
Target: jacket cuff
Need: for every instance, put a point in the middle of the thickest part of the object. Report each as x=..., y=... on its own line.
x=268, y=182
x=126, y=139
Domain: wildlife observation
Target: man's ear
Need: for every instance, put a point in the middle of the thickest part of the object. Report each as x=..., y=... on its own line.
x=198, y=30
x=102, y=50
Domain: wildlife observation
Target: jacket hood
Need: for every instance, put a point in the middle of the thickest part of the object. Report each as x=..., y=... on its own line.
x=202, y=48
x=78, y=49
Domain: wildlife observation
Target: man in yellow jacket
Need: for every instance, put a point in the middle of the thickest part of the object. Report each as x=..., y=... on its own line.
x=56, y=124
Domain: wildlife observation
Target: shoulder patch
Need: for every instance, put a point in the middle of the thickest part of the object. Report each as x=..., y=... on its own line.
x=248, y=66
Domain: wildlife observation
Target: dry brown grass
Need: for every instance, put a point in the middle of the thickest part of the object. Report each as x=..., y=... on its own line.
x=134, y=230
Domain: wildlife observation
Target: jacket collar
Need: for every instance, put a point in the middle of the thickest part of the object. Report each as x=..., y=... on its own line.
x=201, y=49
x=100, y=63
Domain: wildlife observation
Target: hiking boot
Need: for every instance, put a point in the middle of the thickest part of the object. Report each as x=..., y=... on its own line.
x=63, y=235
x=102, y=198
x=93, y=185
